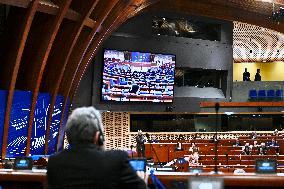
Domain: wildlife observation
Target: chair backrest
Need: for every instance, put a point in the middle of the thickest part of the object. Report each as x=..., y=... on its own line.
x=279, y=93
x=261, y=94
x=270, y=93
x=252, y=93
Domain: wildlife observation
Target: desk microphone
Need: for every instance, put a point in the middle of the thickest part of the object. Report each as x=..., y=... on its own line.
x=217, y=106
x=147, y=135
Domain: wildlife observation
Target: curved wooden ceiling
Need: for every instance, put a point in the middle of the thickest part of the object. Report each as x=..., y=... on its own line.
x=256, y=44
x=49, y=43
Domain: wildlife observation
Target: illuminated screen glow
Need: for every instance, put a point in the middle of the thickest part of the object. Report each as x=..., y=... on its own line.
x=18, y=126
x=40, y=124
x=61, y=132
x=138, y=165
x=138, y=76
x=19, y=118
x=56, y=116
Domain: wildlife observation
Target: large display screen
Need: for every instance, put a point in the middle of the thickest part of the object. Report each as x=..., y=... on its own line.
x=54, y=127
x=138, y=76
x=18, y=126
x=40, y=123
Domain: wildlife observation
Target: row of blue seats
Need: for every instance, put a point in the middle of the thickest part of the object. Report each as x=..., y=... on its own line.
x=270, y=94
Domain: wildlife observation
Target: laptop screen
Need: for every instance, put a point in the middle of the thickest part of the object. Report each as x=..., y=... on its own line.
x=266, y=166
x=195, y=170
x=205, y=183
x=138, y=164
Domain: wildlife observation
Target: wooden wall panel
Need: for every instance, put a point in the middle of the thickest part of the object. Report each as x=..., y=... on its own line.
x=242, y=104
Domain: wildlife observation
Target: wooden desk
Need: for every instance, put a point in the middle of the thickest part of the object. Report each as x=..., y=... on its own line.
x=10, y=179
x=231, y=181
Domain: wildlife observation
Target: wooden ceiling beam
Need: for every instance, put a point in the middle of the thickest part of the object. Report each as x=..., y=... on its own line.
x=135, y=8
x=77, y=55
x=49, y=7
x=14, y=62
x=207, y=9
x=218, y=11
x=115, y=19
x=40, y=59
x=59, y=58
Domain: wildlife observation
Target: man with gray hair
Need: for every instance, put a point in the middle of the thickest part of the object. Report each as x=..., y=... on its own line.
x=85, y=164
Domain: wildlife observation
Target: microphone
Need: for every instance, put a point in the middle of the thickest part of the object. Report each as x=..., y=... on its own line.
x=217, y=106
x=147, y=135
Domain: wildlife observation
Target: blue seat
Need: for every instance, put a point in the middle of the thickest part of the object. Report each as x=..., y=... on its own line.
x=261, y=95
x=252, y=95
x=270, y=95
x=123, y=81
x=279, y=94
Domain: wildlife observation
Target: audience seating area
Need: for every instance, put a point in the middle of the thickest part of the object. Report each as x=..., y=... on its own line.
x=230, y=157
x=265, y=95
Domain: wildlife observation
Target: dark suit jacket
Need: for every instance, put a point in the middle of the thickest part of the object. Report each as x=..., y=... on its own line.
x=85, y=166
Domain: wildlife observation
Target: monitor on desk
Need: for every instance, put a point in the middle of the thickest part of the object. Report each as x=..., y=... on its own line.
x=23, y=163
x=195, y=170
x=205, y=183
x=138, y=164
x=264, y=166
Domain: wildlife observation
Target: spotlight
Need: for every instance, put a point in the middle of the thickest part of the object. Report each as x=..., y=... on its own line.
x=275, y=16
x=281, y=11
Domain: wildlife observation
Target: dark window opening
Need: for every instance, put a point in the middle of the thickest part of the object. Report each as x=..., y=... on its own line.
x=188, y=28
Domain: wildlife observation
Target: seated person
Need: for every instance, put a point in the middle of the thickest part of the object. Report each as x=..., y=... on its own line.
x=193, y=148
x=246, y=149
x=253, y=135
x=262, y=149
x=86, y=164
x=193, y=159
x=275, y=144
x=214, y=139
x=237, y=142
x=134, y=89
x=255, y=144
x=275, y=133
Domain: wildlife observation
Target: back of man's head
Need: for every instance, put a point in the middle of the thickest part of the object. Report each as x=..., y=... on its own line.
x=82, y=126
